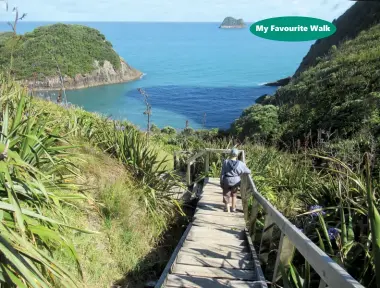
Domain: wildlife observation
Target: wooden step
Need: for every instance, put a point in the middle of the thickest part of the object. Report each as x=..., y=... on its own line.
x=216, y=219
x=188, y=259
x=211, y=272
x=206, y=223
x=202, y=282
x=220, y=213
x=211, y=253
x=219, y=233
x=200, y=239
x=216, y=246
x=217, y=200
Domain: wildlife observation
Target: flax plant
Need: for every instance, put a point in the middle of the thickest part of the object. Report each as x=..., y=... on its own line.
x=34, y=176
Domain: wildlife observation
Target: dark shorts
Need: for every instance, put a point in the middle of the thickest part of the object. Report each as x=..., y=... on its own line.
x=228, y=192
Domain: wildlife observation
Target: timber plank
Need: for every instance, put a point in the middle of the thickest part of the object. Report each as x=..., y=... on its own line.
x=235, y=242
x=210, y=253
x=219, y=233
x=209, y=223
x=216, y=219
x=201, y=282
x=220, y=213
x=211, y=272
x=215, y=246
x=187, y=259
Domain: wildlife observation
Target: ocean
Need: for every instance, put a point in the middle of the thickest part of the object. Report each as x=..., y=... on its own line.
x=193, y=72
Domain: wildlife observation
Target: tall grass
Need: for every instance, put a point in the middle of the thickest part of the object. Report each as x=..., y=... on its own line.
x=34, y=175
x=130, y=147
x=39, y=180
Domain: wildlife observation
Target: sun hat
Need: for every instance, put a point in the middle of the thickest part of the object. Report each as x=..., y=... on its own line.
x=234, y=152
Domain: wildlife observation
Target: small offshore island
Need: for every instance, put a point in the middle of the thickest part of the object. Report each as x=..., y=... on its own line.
x=81, y=55
x=232, y=23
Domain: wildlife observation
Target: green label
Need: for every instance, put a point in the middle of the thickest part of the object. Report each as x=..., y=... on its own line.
x=293, y=28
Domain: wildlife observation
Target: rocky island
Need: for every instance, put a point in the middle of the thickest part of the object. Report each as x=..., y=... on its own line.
x=232, y=23
x=81, y=55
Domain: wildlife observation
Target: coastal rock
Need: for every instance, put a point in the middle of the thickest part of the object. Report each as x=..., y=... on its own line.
x=102, y=75
x=231, y=23
x=278, y=83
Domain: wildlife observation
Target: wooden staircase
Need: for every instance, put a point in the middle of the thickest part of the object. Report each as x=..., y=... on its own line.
x=215, y=250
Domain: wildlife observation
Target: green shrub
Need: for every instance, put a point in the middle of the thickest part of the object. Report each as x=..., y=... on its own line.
x=74, y=47
x=258, y=122
x=154, y=129
x=168, y=130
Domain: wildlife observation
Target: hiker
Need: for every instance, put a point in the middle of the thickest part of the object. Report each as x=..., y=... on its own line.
x=230, y=179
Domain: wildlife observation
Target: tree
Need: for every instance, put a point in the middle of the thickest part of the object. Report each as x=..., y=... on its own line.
x=258, y=121
x=17, y=18
x=154, y=129
x=14, y=28
x=168, y=130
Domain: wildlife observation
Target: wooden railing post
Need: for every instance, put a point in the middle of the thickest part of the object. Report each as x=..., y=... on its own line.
x=266, y=240
x=242, y=156
x=188, y=174
x=284, y=256
x=207, y=163
x=322, y=284
x=253, y=218
x=244, y=195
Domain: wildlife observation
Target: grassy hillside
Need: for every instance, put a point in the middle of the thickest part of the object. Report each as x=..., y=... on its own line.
x=339, y=96
x=83, y=199
x=73, y=47
x=361, y=16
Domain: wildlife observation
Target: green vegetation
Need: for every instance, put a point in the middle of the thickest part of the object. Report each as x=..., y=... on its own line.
x=360, y=16
x=75, y=48
x=83, y=199
x=258, y=122
x=336, y=98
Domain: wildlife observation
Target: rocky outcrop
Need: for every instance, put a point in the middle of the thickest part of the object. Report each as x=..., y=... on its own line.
x=230, y=23
x=102, y=75
x=361, y=16
x=278, y=83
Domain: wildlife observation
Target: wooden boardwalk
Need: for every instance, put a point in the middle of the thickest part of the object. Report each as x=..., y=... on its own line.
x=215, y=250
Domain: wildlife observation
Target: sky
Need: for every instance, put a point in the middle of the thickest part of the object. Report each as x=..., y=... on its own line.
x=171, y=10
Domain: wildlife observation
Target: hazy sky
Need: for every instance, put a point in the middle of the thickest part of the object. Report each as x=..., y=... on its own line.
x=172, y=10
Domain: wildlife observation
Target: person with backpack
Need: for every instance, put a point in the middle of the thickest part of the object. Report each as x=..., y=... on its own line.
x=230, y=179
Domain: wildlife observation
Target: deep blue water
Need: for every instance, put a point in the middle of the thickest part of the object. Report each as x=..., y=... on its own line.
x=191, y=69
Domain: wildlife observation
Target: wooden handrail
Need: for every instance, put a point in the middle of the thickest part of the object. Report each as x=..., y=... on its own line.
x=331, y=273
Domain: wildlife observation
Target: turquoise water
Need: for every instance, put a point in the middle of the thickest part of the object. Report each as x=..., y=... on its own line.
x=194, y=71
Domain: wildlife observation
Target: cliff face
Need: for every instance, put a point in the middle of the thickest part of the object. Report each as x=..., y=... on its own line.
x=231, y=22
x=101, y=75
x=361, y=16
